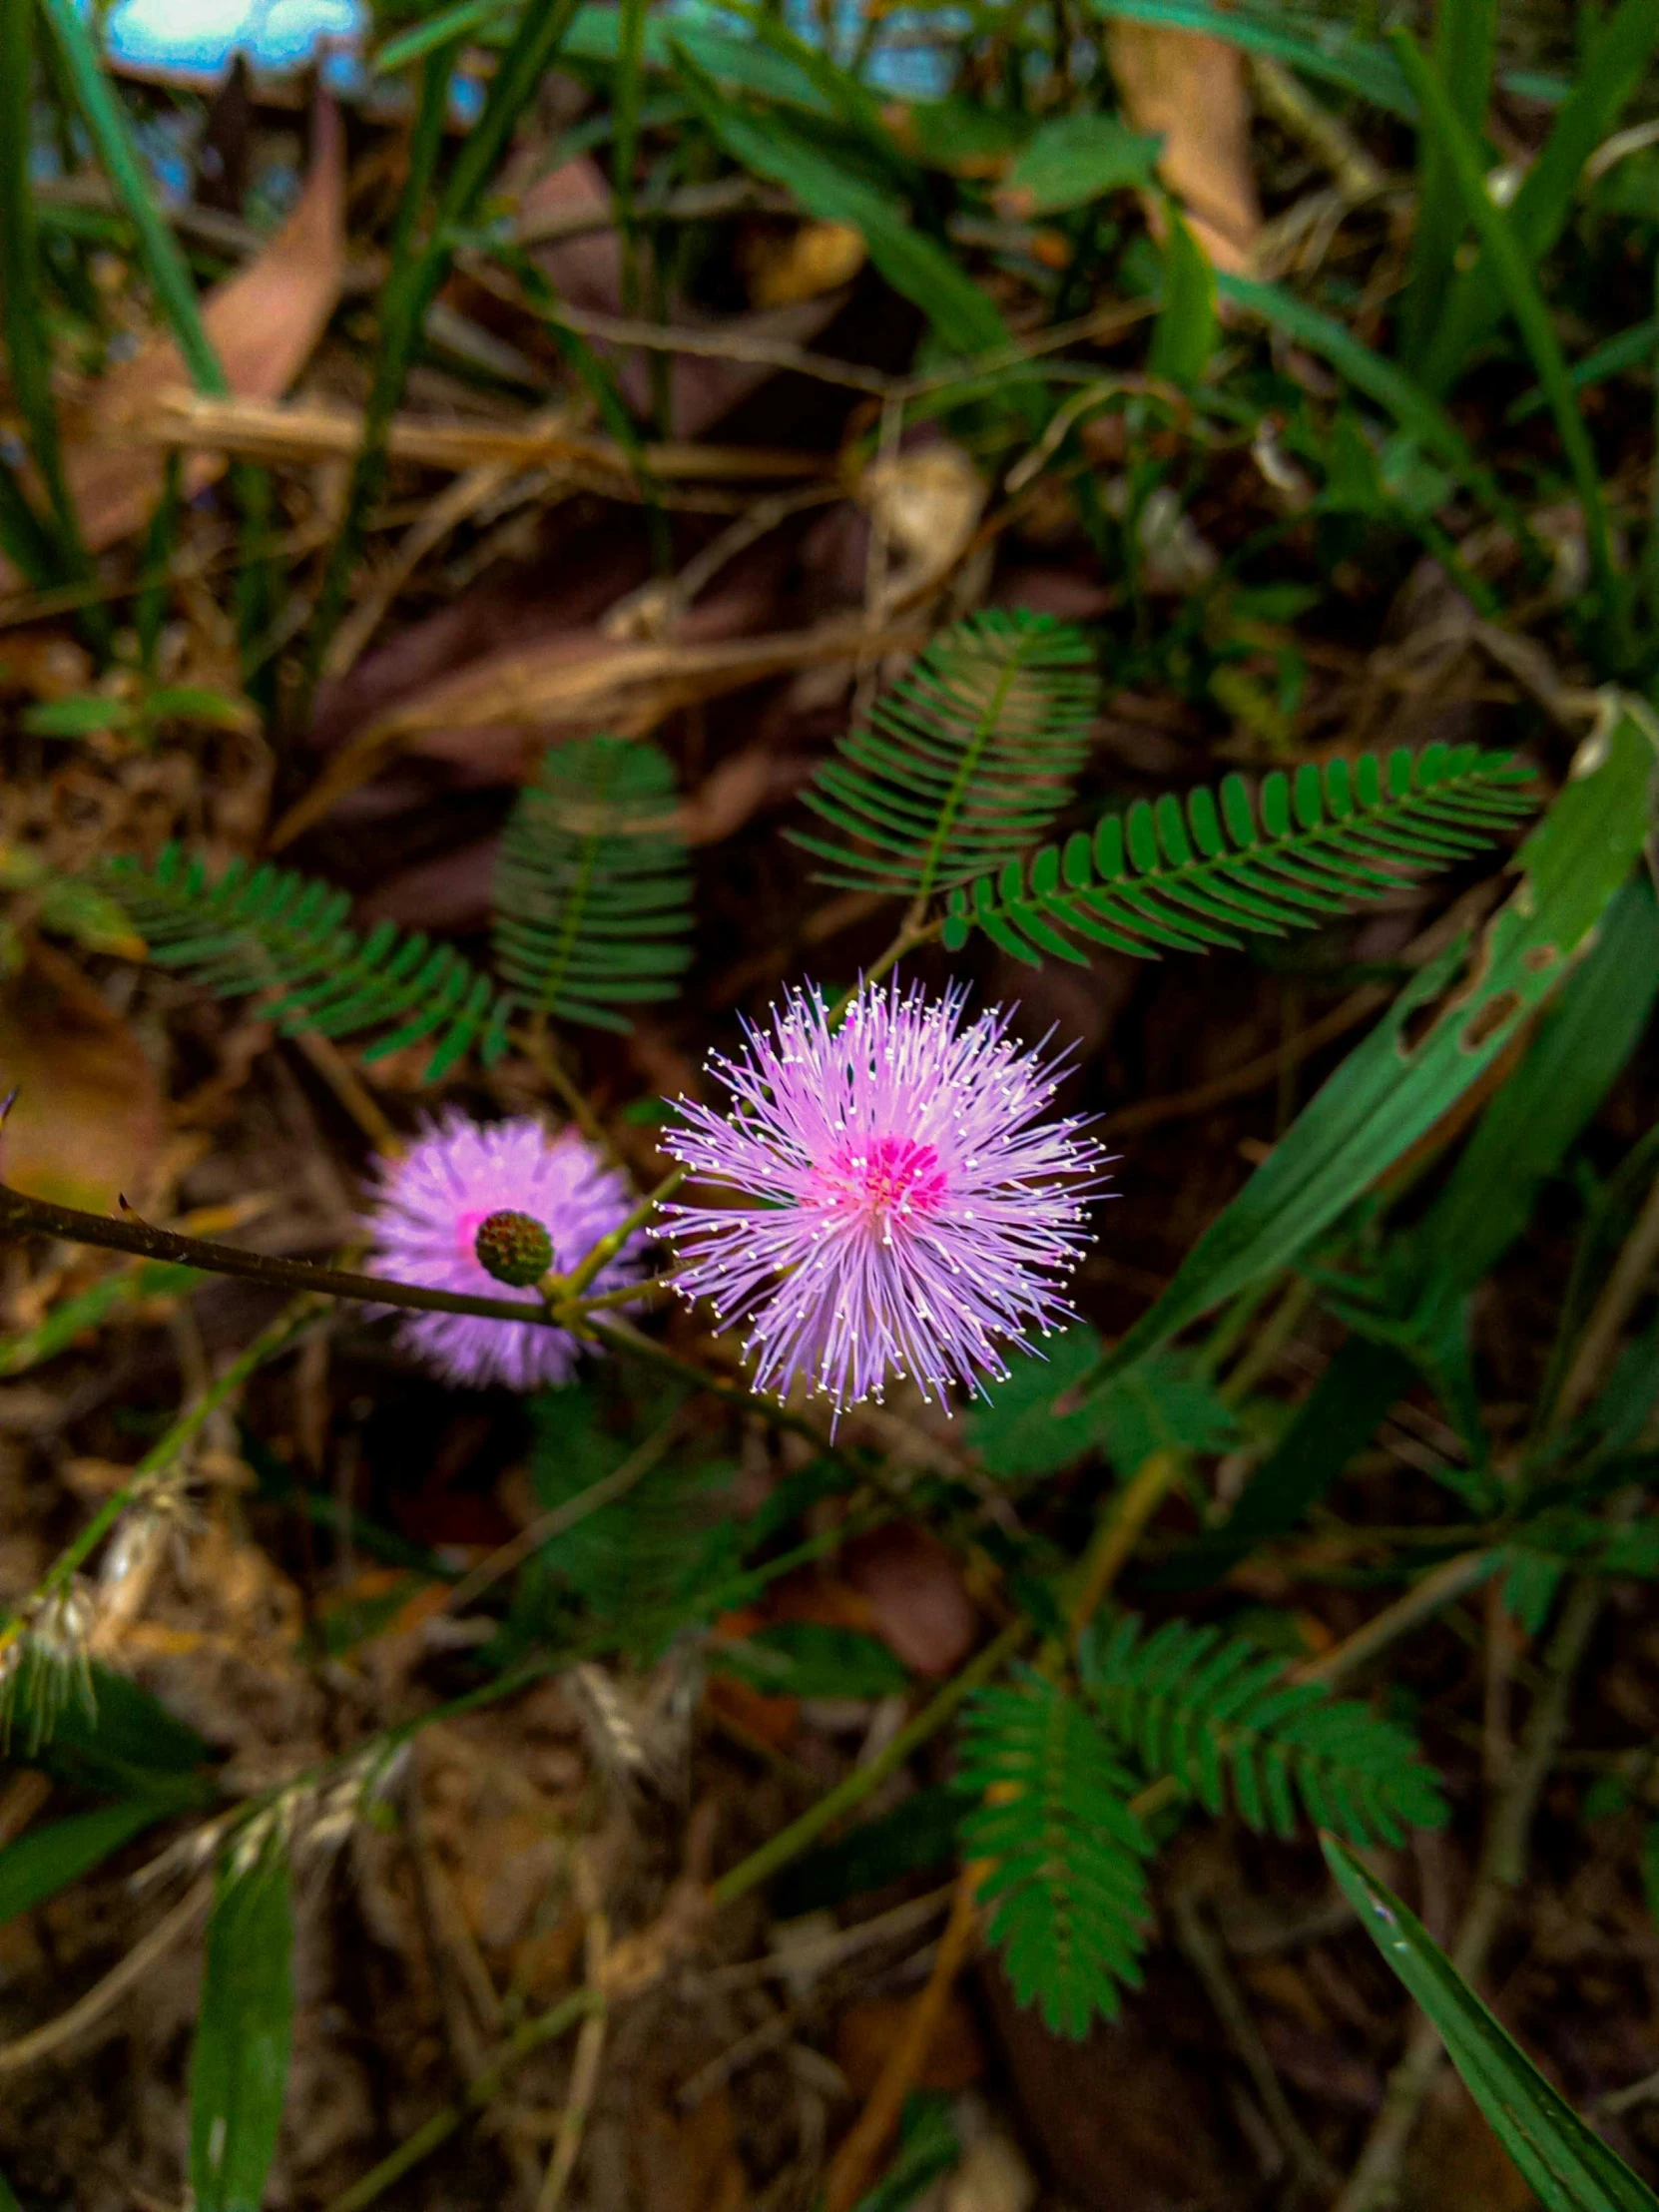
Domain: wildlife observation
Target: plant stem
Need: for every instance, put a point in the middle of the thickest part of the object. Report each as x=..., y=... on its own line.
x=571, y=1286
x=481, y=2091
x=790, y=1842
x=1120, y=1529
x=1439, y=1588
x=22, y=1216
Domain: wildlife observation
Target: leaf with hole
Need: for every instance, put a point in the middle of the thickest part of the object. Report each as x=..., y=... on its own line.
x=1440, y=1036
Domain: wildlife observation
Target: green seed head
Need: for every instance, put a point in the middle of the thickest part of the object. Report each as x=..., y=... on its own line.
x=515, y=1248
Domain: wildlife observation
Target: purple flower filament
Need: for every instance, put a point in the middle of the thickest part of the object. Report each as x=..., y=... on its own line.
x=430, y=1206
x=914, y=1213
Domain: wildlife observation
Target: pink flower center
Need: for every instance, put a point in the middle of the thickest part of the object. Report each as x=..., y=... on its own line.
x=880, y=1175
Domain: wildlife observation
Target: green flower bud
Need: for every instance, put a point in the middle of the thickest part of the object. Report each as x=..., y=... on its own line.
x=515, y=1248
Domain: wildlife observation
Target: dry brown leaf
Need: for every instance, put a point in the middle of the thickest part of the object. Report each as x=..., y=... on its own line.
x=577, y=683
x=264, y=322
x=1191, y=89
x=87, y=1124
x=929, y=503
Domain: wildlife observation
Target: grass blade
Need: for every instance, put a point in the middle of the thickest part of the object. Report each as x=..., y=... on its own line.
x=1391, y=1092
x=1400, y=396
x=28, y=348
x=1466, y=48
x=239, y=2066
x=1617, y=60
x=165, y=265
x=418, y=271
x=915, y=266
x=1566, y=2163
x=1512, y=272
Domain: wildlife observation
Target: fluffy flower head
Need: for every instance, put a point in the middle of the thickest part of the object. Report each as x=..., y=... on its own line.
x=425, y=1220
x=915, y=1212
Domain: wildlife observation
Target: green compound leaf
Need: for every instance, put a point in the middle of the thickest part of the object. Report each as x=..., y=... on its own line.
x=1569, y=2166
x=1440, y=1037
x=1066, y=1880
x=1035, y=1421
x=1168, y=878
x=269, y=930
x=964, y=764
x=1220, y=1716
x=239, y=2064
x=592, y=891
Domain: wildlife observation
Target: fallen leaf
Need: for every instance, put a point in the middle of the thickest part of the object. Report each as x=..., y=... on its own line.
x=1190, y=89
x=917, y=1598
x=868, y=2030
x=87, y=1125
x=264, y=322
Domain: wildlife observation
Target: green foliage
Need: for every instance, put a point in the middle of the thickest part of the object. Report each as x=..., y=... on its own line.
x=964, y=764
x=1036, y=1420
x=267, y=929
x=1072, y=160
x=929, y=2147
x=1564, y=2162
x=1223, y=1719
x=919, y=1832
x=239, y=2064
x=1184, y=335
x=814, y=1659
x=36, y=1866
x=1616, y=62
x=592, y=894
x=1225, y=867
x=825, y=177
x=1066, y=1883
x=1513, y=270
x=646, y=1559
x=1438, y=1038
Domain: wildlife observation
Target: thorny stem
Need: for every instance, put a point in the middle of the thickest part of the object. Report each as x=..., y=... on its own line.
x=22, y=1216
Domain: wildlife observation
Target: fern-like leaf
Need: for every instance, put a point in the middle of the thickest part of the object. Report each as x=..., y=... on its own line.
x=591, y=892
x=1211, y=1710
x=1066, y=1880
x=1222, y=867
x=964, y=764
x=269, y=930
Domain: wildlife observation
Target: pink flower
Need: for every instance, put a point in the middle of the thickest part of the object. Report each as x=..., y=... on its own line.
x=425, y=1224
x=913, y=1211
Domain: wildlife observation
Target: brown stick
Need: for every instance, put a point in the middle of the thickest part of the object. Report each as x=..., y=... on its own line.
x=855, y=2163
x=22, y=1216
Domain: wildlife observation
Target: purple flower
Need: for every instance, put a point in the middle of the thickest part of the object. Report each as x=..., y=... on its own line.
x=425, y=1225
x=914, y=1209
